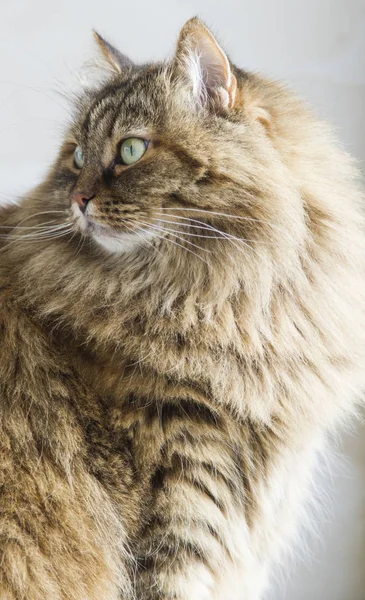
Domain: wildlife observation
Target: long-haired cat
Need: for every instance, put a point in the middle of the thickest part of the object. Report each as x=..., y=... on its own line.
x=182, y=324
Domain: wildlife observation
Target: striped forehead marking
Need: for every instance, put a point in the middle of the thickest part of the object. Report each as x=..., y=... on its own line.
x=114, y=98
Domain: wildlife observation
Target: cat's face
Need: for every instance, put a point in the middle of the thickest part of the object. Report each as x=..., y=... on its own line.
x=163, y=148
x=134, y=153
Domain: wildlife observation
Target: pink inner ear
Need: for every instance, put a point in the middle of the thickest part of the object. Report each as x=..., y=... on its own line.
x=208, y=68
x=215, y=66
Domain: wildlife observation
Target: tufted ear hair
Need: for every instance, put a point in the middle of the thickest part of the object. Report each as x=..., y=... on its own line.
x=204, y=64
x=116, y=60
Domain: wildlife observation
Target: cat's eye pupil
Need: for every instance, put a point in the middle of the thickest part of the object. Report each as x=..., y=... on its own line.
x=132, y=149
x=79, y=158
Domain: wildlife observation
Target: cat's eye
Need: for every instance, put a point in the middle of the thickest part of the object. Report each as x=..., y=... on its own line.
x=79, y=158
x=132, y=149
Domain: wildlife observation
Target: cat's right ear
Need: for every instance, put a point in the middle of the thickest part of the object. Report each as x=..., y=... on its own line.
x=114, y=58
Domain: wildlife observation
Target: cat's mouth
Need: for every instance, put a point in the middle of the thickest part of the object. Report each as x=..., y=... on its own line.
x=113, y=240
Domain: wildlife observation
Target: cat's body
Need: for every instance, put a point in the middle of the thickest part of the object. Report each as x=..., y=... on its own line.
x=162, y=404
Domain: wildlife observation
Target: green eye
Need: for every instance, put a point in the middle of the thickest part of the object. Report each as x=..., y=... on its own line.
x=79, y=157
x=132, y=149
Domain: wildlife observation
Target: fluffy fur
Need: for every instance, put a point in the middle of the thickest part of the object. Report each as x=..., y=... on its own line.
x=174, y=357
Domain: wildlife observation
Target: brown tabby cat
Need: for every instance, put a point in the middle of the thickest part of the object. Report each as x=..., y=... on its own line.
x=182, y=323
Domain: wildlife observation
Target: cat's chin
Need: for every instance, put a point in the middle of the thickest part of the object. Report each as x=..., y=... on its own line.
x=114, y=242
x=120, y=243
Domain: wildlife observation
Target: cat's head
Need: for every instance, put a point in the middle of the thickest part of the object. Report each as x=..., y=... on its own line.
x=180, y=152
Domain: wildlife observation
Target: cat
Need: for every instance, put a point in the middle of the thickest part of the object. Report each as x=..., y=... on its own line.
x=182, y=326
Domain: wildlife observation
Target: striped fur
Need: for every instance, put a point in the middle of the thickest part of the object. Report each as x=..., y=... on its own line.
x=173, y=359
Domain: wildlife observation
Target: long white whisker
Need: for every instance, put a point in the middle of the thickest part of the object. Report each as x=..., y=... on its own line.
x=44, y=225
x=204, y=226
x=226, y=215
x=165, y=229
x=72, y=237
x=30, y=237
x=44, y=233
x=208, y=227
x=80, y=245
x=233, y=240
x=19, y=238
x=136, y=231
x=163, y=237
x=45, y=230
x=46, y=212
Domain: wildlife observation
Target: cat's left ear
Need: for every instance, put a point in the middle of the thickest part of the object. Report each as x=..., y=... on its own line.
x=116, y=59
x=204, y=64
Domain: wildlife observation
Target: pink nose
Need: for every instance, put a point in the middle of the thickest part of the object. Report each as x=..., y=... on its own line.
x=82, y=200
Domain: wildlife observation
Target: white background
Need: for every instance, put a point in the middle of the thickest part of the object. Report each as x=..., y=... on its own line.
x=317, y=46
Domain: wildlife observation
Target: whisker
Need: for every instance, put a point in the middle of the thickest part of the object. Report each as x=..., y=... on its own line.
x=163, y=229
x=72, y=237
x=204, y=227
x=44, y=225
x=210, y=227
x=233, y=240
x=142, y=238
x=34, y=238
x=21, y=238
x=43, y=233
x=159, y=219
x=162, y=237
x=80, y=244
x=226, y=215
x=20, y=232
x=46, y=212
x=229, y=237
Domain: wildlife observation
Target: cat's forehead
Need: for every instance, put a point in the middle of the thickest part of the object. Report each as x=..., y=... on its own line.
x=128, y=105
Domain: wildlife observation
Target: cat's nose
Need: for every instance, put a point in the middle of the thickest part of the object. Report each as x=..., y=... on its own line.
x=82, y=200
